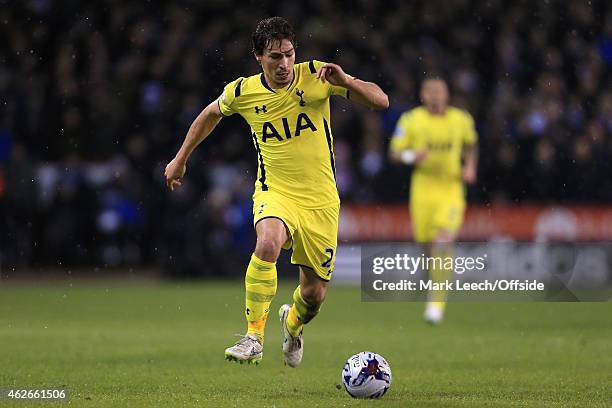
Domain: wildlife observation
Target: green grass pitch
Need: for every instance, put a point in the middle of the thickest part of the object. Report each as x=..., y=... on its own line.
x=116, y=344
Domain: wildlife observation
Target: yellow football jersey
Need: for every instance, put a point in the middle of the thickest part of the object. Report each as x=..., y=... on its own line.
x=443, y=136
x=291, y=131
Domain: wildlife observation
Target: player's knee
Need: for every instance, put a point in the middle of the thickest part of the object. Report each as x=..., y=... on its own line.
x=268, y=248
x=314, y=295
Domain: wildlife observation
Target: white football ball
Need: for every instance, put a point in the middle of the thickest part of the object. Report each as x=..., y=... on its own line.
x=366, y=375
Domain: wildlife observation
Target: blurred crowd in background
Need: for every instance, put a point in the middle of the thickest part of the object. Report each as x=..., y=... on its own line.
x=96, y=97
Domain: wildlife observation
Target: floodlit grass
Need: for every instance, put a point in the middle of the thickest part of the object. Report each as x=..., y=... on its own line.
x=145, y=344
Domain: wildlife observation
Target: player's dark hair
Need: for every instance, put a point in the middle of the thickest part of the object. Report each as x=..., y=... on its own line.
x=433, y=75
x=270, y=30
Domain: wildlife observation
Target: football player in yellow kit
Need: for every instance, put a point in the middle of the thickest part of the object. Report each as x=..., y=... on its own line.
x=441, y=142
x=296, y=203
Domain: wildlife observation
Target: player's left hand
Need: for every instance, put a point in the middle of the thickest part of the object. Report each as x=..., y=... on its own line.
x=334, y=74
x=469, y=175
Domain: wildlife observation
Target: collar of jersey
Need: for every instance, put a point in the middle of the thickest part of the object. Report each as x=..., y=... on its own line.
x=268, y=87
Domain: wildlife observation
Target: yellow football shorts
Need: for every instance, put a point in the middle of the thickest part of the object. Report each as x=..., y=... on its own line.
x=313, y=233
x=433, y=210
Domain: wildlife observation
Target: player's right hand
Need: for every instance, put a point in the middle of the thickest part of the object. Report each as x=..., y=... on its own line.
x=175, y=170
x=420, y=155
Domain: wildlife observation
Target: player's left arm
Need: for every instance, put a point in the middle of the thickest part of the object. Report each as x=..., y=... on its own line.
x=367, y=93
x=470, y=151
x=470, y=163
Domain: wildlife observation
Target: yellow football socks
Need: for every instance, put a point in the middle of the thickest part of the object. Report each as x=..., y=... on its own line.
x=301, y=312
x=440, y=272
x=260, y=282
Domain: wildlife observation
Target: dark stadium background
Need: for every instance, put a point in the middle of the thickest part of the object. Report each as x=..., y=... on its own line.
x=95, y=98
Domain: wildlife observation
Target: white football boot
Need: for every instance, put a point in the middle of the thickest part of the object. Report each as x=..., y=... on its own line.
x=248, y=349
x=293, y=346
x=434, y=313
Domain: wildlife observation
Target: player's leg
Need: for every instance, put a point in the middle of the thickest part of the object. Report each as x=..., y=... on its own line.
x=439, y=251
x=314, y=250
x=260, y=285
x=447, y=219
x=261, y=276
x=274, y=225
x=422, y=211
x=307, y=300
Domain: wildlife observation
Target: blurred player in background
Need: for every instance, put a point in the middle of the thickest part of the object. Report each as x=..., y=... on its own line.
x=296, y=201
x=441, y=142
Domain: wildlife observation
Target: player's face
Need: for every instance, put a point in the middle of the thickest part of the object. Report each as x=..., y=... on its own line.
x=434, y=94
x=277, y=62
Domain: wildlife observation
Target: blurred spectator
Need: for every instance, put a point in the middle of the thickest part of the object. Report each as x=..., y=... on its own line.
x=96, y=97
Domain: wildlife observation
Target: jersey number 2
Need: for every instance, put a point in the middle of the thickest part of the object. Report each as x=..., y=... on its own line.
x=327, y=263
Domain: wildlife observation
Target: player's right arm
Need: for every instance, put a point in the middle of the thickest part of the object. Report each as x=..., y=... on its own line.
x=201, y=127
x=401, y=149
